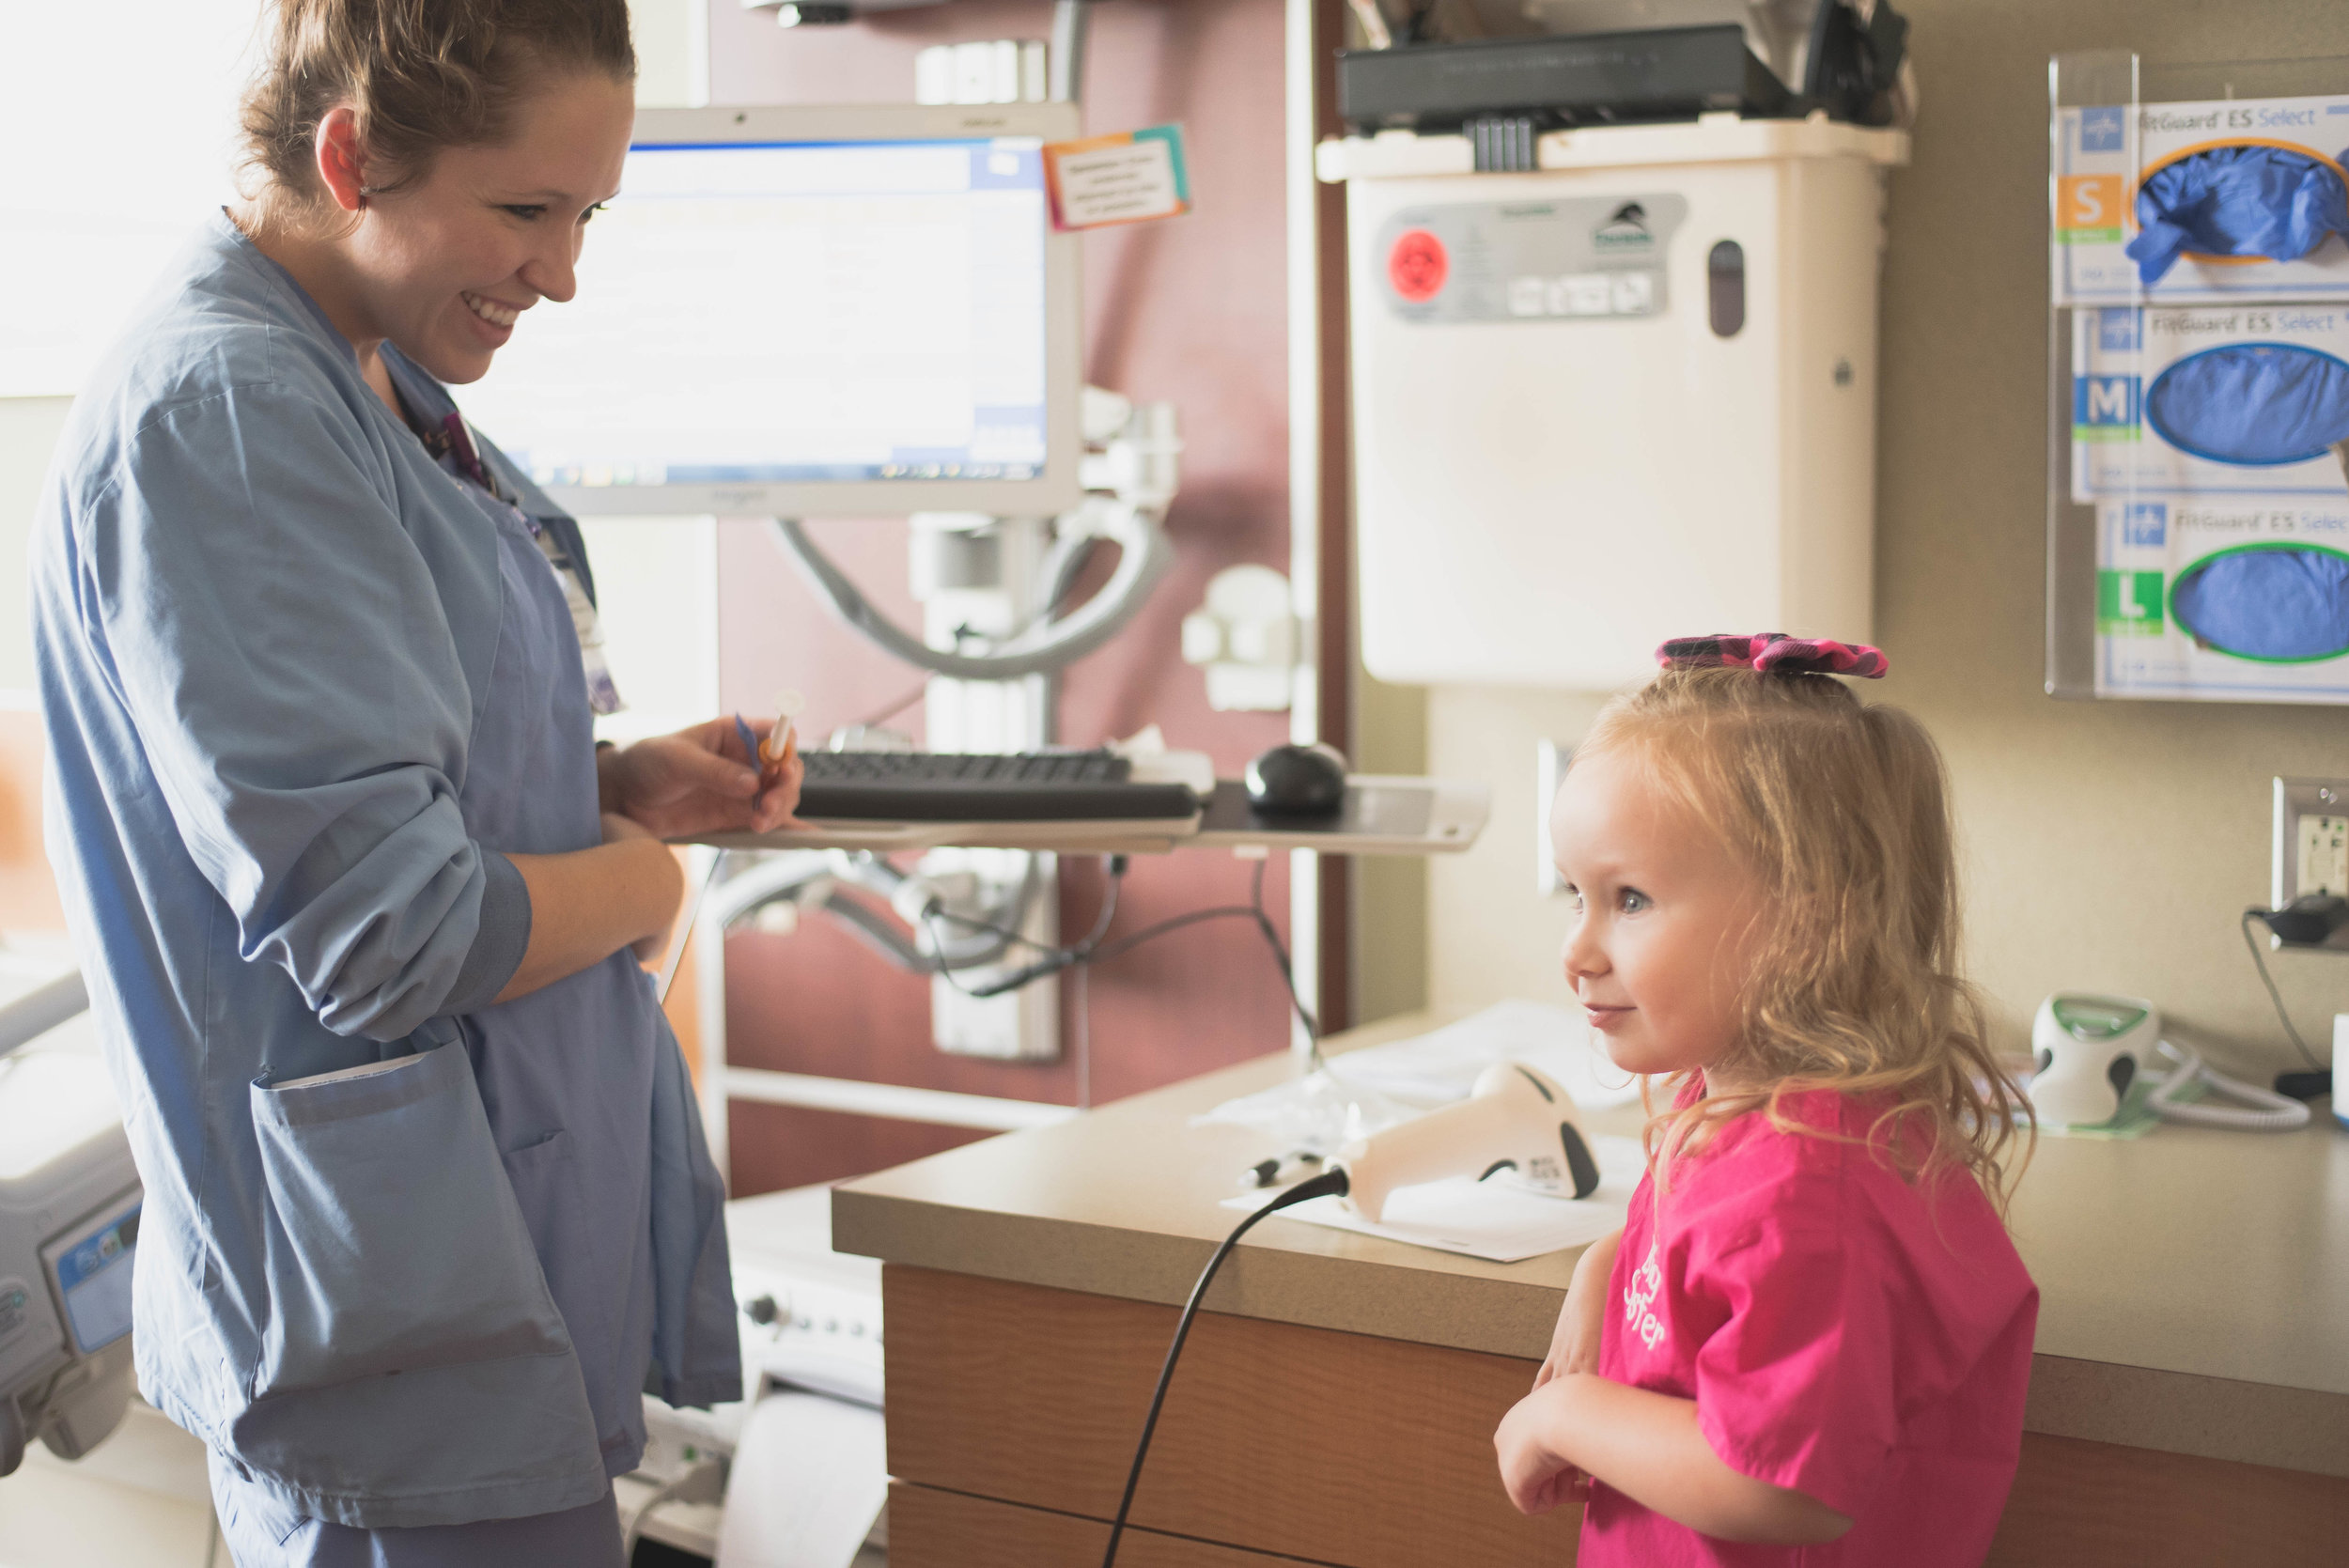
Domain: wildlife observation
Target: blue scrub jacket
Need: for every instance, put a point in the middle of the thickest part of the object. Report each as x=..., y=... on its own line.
x=304, y=692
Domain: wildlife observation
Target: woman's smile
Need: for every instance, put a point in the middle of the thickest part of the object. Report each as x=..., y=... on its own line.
x=496, y=314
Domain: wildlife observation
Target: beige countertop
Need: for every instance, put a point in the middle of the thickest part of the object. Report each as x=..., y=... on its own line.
x=2194, y=1284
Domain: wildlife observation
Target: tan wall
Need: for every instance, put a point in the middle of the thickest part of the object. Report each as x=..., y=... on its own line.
x=2108, y=845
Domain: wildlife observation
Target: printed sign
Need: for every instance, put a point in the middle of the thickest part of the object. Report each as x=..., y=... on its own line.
x=1574, y=258
x=1126, y=179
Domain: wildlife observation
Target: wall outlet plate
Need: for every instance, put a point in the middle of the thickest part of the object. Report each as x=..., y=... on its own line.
x=2309, y=853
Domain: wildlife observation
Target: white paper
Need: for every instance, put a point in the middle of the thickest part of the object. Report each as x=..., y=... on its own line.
x=1364, y=1091
x=1442, y=1065
x=809, y=1478
x=1117, y=184
x=1498, y=1220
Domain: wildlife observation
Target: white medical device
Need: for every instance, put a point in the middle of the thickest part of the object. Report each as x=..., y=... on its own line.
x=2092, y=1049
x=1627, y=395
x=811, y=1322
x=1515, y=1119
x=68, y=1228
x=812, y=312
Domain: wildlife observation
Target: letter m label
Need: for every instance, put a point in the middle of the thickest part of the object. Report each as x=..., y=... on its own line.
x=2104, y=400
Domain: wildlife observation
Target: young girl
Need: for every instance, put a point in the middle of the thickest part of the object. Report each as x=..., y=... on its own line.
x=1814, y=1332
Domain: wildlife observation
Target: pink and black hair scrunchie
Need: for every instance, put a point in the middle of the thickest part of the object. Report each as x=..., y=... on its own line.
x=1775, y=653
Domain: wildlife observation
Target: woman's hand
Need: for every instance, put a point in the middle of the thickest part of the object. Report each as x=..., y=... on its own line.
x=1574, y=1343
x=698, y=781
x=619, y=830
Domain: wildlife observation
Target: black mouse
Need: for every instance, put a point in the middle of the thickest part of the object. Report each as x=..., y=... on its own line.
x=1298, y=781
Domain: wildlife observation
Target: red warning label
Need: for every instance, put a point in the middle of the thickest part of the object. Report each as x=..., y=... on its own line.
x=1417, y=265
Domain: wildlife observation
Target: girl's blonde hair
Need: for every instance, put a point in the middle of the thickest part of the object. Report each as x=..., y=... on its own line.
x=1841, y=811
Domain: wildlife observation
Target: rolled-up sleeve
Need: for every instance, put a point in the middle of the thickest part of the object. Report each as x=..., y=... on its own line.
x=288, y=660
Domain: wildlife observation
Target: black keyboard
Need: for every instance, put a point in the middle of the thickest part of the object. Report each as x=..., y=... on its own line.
x=958, y=787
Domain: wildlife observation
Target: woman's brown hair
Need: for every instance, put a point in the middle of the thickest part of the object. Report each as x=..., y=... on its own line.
x=420, y=75
x=1840, y=810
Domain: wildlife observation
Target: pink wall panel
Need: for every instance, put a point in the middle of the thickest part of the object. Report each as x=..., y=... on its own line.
x=1190, y=311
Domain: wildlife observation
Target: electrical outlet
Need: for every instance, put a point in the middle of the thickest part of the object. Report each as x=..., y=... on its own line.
x=2309, y=852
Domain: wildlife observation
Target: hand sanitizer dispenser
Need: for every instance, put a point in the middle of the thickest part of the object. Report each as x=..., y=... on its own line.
x=1626, y=394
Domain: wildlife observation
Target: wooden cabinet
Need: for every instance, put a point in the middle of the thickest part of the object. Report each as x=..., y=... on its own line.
x=1304, y=1442
x=1013, y=1411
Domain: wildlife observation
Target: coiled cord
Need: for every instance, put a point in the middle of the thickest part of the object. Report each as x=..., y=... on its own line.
x=2260, y=1110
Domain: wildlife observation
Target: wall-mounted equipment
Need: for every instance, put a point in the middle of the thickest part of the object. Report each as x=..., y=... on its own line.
x=1502, y=80
x=1246, y=638
x=1629, y=391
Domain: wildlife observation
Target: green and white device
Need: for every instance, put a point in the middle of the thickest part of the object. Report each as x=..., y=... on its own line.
x=2090, y=1049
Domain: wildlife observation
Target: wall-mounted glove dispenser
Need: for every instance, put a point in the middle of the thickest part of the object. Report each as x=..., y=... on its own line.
x=2198, y=505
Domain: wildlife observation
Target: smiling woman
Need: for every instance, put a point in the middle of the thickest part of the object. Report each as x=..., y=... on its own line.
x=428, y=1207
x=487, y=148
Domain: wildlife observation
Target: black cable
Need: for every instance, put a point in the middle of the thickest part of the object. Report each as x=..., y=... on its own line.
x=1091, y=951
x=1415, y=26
x=1327, y=1184
x=1054, y=959
x=2259, y=961
x=1253, y=910
x=1124, y=945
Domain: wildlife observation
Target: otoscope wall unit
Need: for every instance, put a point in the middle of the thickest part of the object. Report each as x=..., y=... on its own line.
x=2198, y=351
x=1624, y=391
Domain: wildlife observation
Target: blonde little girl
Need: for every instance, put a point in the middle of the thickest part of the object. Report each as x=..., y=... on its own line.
x=1811, y=1342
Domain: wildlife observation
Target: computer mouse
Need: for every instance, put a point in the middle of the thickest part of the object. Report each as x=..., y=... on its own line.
x=1298, y=781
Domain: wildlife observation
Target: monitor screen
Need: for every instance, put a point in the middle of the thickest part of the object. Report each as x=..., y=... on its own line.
x=93, y=1275
x=796, y=324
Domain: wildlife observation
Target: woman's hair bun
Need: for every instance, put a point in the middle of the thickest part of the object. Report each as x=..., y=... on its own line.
x=1774, y=653
x=422, y=75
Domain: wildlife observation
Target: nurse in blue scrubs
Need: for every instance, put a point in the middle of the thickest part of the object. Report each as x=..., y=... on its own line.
x=428, y=1203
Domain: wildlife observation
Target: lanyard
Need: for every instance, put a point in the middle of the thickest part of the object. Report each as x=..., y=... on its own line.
x=453, y=440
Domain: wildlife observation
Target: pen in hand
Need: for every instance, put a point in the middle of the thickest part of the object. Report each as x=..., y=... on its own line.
x=769, y=756
x=781, y=739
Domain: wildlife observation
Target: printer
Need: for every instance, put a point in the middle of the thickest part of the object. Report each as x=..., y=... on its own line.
x=811, y=1325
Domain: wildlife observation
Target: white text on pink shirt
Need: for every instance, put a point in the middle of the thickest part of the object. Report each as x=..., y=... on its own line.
x=1645, y=1284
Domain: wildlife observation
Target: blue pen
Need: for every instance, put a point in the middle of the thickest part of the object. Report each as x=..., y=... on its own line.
x=750, y=741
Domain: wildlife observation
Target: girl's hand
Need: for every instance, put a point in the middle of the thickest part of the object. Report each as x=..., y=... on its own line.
x=1537, y=1478
x=698, y=781
x=1574, y=1345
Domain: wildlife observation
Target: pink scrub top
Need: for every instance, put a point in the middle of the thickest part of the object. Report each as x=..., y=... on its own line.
x=1843, y=1332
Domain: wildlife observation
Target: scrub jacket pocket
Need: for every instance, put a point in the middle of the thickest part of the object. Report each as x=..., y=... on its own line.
x=394, y=1243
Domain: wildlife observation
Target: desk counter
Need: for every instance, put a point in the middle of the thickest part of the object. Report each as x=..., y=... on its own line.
x=2194, y=1283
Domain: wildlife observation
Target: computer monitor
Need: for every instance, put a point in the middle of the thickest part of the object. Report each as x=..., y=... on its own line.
x=796, y=312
